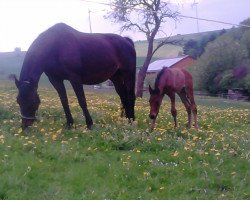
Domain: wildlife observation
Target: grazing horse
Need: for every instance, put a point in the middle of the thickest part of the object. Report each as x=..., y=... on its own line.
x=64, y=53
x=170, y=81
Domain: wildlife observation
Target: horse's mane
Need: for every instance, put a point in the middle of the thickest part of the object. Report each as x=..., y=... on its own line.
x=157, y=80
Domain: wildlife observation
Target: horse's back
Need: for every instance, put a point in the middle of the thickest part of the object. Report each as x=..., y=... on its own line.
x=63, y=51
x=188, y=79
x=174, y=79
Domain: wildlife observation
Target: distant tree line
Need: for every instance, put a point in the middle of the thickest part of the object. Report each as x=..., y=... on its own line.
x=223, y=60
x=196, y=48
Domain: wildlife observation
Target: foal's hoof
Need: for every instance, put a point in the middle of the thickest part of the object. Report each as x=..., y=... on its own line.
x=196, y=127
x=122, y=114
x=89, y=125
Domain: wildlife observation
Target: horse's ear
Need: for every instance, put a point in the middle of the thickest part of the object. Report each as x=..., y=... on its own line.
x=13, y=77
x=150, y=89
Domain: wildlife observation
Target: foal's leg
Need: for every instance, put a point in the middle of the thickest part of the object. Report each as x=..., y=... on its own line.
x=78, y=88
x=60, y=88
x=194, y=110
x=186, y=102
x=173, y=109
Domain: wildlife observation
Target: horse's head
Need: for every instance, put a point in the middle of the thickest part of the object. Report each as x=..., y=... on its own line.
x=28, y=101
x=155, y=103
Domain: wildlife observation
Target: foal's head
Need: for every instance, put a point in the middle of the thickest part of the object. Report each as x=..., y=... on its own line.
x=28, y=101
x=155, y=103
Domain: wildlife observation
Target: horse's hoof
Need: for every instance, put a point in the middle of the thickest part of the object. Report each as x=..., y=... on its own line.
x=122, y=114
x=89, y=126
x=69, y=126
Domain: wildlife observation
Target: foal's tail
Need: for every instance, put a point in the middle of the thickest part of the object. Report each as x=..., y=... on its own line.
x=190, y=96
x=190, y=93
x=189, y=86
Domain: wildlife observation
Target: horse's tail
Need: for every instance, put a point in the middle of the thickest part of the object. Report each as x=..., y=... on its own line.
x=130, y=41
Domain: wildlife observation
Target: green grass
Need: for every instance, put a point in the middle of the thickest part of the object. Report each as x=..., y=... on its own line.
x=117, y=160
x=163, y=52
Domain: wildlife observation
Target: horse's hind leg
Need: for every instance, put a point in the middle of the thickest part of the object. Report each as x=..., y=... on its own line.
x=124, y=86
x=173, y=109
x=129, y=81
x=121, y=91
x=78, y=88
x=187, y=104
x=60, y=88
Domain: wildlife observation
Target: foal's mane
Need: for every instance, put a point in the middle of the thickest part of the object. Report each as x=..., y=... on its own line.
x=157, y=80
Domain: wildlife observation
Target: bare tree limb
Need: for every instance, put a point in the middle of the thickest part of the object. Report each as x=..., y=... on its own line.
x=167, y=41
x=151, y=14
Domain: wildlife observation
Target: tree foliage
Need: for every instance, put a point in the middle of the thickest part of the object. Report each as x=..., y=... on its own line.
x=245, y=40
x=225, y=63
x=196, y=48
x=192, y=48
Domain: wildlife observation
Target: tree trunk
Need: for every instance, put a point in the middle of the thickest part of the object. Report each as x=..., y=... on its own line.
x=141, y=77
x=143, y=71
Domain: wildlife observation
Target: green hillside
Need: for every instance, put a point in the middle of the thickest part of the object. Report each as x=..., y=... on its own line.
x=168, y=51
x=165, y=51
x=11, y=62
x=193, y=36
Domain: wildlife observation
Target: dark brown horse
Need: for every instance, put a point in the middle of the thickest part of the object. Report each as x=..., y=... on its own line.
x=64, y=53
x=170, y=81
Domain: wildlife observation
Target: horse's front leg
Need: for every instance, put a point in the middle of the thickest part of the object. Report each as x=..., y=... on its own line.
x=60, y=88
x=78, y=88
x=173, y=109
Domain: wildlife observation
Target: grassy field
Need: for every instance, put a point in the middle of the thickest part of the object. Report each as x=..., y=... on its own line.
x=117, y=160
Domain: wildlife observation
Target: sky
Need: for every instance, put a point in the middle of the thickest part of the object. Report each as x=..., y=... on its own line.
x=21, y=21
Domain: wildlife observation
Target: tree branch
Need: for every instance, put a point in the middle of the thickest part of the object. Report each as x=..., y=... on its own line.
x=129, y=25
x=167, y=41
